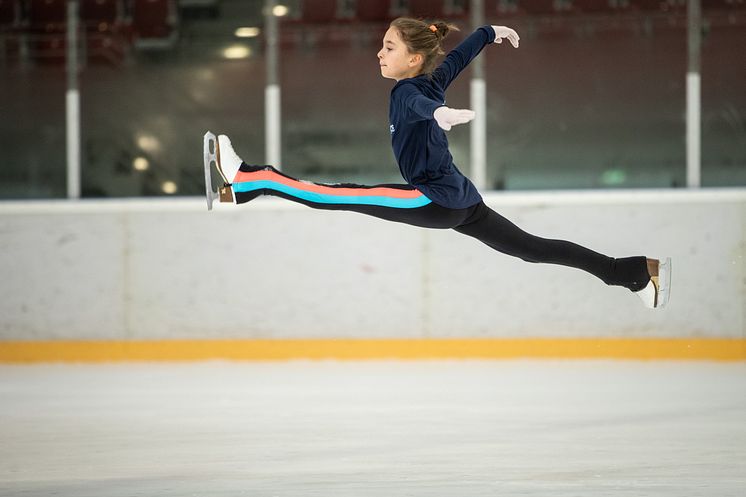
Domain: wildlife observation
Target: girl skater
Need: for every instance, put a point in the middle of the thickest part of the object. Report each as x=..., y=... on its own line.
x=437, y=194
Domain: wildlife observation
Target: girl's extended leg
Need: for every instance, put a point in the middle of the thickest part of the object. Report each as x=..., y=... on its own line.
x=499, y=233
x=399, y=203
x=406, y=204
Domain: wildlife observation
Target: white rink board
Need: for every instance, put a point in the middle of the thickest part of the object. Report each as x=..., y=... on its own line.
x=167, y=268
x=422, y=429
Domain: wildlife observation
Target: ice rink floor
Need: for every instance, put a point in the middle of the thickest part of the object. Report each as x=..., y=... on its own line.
x=461, y=428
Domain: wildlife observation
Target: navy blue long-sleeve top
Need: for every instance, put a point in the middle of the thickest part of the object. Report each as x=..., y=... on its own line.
x=420, y=145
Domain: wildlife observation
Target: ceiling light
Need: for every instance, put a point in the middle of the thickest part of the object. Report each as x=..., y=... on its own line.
x=247, y=32
x=148, y=143
x=280, y=10
x=237, y=52
x=140, y=164
x=169, y=187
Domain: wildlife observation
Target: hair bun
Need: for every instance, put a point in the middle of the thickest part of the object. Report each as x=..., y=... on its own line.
x=441, y=28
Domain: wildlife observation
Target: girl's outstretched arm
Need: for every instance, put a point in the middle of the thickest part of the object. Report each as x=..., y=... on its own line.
x=423, y=108
x=460, y=57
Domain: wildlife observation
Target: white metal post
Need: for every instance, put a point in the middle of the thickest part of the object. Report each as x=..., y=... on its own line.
x=693, y=98
x=272, y=125
x=478, y=102
x=272, y=109
x=693, y=131
x=72, y=104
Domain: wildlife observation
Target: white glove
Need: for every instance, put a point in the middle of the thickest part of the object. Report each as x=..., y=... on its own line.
x=447, y=117
x=505, y=32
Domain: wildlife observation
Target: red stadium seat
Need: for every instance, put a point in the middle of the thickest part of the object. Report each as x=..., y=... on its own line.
x=373, y=10
x=438, y=9
x=10, y=13
x=723, y=4
x=494, y=10
x=674, y=5
x=47, y=40
x=456, y=8
x=318, y=11
x=10, y=25
x=106, y=40
x=648, y=5
x=595, y=6
x=153, y=19
x=48, y=47
x=45, y=36
x=673, y=11
x=539, y=7
x=106, y=48
x=93, y=13
x=430, y=9
x=47, y=12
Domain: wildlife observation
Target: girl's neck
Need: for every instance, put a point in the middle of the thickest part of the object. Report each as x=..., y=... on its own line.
x=414, y=74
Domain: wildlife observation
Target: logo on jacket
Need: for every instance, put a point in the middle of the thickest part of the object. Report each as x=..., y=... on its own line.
x=392, y=129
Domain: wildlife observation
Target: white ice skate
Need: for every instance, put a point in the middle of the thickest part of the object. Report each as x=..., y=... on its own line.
x=220, y=158
x=655, y=295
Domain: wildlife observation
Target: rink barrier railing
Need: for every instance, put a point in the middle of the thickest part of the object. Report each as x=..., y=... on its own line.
x=697, y=349
x=85, y=350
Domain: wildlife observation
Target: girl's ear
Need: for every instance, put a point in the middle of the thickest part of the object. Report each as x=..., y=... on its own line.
x=415, y=60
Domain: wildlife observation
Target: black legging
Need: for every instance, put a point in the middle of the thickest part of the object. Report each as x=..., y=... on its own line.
x=405, y=204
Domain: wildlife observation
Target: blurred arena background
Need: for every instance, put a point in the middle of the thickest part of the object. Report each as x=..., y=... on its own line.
x=594, y=98
x=596, y=131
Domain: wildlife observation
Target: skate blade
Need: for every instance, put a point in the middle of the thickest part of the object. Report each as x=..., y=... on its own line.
x=664, y=282
x=210, y=162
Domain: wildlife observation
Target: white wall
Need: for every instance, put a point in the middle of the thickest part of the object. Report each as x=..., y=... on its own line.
x=272, y=269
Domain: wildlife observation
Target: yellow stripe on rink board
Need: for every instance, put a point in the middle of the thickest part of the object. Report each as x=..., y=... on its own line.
x=712, y=349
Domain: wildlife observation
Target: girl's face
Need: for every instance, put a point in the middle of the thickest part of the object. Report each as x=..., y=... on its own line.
x=395, y=59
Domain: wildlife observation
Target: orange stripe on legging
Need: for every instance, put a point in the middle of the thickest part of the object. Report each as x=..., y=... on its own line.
x=378, y=191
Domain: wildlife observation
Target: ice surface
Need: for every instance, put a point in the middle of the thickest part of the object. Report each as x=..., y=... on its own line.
x=461, y=428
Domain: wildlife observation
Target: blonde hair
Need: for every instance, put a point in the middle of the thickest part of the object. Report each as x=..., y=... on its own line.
x=424, y=38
